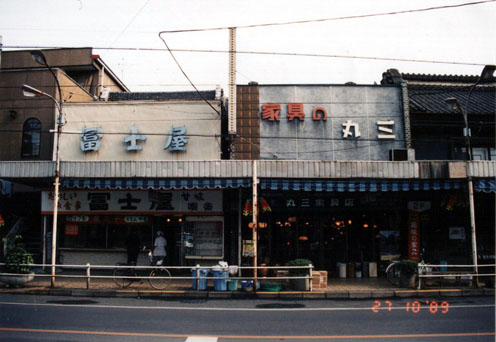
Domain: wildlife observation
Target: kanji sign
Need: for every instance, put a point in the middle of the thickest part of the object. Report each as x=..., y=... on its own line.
x=177, y=139
x=91, y=139
x=112, y=201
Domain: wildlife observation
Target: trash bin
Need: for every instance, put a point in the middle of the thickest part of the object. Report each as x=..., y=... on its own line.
x=358, y=270
x=342, y=270
x=365, y=269
x=373, y=270
x=203, y=280
x=232, y=285
x=223, y=274
x=350, y=270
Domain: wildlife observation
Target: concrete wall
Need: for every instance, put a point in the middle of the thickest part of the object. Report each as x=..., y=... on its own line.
x=153, y=119
x=55, y=58
x=324, y=140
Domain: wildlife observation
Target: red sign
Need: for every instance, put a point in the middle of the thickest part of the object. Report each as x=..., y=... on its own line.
x=413, y=236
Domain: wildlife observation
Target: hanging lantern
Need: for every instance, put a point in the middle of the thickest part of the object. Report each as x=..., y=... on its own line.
x=264, y=206
x=247, y=210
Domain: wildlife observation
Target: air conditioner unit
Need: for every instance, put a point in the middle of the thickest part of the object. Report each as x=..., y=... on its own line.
x=402, y=154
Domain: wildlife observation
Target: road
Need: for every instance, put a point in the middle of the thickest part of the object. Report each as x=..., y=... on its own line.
x=50, y=318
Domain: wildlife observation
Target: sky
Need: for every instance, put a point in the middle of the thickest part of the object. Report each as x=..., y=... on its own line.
x=456, y=41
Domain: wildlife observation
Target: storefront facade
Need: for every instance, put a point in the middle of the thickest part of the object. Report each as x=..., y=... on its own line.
x=98, y=213
x=374, y=205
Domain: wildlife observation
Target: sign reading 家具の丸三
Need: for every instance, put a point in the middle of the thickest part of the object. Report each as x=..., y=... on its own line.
x=113, y=201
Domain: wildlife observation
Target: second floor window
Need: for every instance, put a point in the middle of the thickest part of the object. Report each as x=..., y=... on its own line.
x=31, y=137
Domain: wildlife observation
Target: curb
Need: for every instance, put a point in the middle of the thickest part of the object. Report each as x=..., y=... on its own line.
x=294, y=295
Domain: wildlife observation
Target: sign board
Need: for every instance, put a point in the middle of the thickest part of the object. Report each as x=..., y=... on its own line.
x=419, y=207
x=132, y=201
x=457, y=233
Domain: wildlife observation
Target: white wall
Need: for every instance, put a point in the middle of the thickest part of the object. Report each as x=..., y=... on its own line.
x=153, y=119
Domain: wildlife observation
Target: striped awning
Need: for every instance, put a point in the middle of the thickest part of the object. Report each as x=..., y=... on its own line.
x=358, y=185
x=484, y=185
x=155, y=184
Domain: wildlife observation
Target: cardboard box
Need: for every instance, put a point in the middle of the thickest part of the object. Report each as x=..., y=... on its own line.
x=317, y=280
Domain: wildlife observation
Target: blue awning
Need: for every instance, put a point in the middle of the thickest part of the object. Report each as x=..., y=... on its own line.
x=155, y=184
x=484, y=185
x=358, y=185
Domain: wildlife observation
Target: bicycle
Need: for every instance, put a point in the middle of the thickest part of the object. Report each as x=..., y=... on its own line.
x=159, y=277
x=393, y=272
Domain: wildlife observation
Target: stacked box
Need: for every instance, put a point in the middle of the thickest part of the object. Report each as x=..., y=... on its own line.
x=323, y=279
x=316, y=279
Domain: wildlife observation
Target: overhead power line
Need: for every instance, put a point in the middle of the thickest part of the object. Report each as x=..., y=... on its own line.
x=335, y=18
x=293, y=54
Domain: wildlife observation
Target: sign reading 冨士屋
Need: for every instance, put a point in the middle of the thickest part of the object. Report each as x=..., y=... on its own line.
x=112, y=201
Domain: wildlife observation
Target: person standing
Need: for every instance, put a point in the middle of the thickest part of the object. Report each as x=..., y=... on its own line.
x=159, y=248
x=133, y=244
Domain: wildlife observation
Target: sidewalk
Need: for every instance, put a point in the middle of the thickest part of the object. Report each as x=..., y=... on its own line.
x=365, y=288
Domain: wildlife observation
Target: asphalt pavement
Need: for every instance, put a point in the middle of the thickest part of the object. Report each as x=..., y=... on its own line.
x=55, y=318
x=75, y=284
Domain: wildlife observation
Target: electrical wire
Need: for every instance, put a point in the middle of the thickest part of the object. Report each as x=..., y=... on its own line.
x=185, y=75
x=129, y=24
x=335, y=18
x=293, y=54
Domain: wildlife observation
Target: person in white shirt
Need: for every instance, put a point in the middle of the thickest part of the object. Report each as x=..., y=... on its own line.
x=159, y=251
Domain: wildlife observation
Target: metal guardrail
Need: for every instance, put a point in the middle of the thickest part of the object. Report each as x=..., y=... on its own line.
x=89, y=275
x=442, y=272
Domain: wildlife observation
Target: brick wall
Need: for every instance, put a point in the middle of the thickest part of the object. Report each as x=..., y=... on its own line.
x=247, y=140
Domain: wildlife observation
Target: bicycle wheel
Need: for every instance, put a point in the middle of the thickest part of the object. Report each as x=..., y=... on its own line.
x=159, y=278
x=393, y=273
x=122, y=277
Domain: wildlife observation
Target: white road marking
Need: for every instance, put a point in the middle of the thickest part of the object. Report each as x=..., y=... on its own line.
x=201, y=339
x=368, y=308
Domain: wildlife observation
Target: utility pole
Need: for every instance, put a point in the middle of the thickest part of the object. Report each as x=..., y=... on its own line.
x=255, y=220
x=232, y=81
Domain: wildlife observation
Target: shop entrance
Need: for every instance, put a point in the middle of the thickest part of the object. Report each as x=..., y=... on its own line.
x=328, y=236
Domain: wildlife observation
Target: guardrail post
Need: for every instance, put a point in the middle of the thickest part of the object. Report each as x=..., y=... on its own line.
x=310, y=280
x=88, y=276
x=197, y=277
x=419, y=276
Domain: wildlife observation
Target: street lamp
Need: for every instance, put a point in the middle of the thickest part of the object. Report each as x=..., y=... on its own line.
x=29, y=91
x=485, y=77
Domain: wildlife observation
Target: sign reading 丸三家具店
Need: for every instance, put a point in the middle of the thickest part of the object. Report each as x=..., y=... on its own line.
x=101, y=202
x=351, y=129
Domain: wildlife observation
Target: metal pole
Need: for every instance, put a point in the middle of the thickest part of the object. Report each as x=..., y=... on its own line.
x=56, y=195
x=255, y=221
x=471, y=186
x=240, y=209
x=88, y=276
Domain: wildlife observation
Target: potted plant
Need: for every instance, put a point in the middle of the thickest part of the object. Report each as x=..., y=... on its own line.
x=300, y=284
x=15, y=260
x=408, y=273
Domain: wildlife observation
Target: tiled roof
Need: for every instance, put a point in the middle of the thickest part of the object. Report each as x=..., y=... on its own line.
x=441, y=78
x=158, y=96
x=431, y=98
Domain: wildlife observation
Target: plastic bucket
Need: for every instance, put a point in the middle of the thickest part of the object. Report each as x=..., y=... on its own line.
x=220, y=284
x=232, y=285
x=203, y=281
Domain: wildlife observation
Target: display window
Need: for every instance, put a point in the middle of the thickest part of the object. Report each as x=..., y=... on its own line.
x=94, y=232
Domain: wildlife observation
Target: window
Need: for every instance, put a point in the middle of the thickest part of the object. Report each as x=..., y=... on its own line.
x=31, y=137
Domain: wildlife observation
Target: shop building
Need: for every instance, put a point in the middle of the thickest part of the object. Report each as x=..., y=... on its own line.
x=98, y=212
x=357, y=194
x=75, y=75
